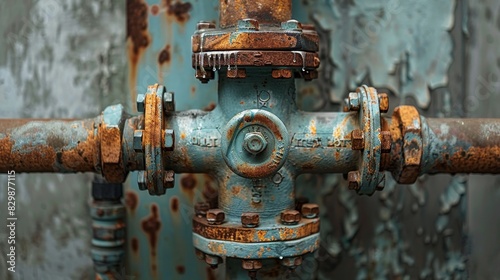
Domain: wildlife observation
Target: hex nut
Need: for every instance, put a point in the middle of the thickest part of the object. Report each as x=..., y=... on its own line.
x=383, y=102
x=254, y=142
x=213, y=260
x=354, y=178
x=140, y=102
x=215, y=216
x=201, y=208
x=357, y=140
x=250, y=220
x=386, y=141
x=202, y=25
x=138, y=141
x=141, y=180
x=292, y=262
x=310, y=210
x=290, y=217
x=251, y=264
x=353, y=101
x=169, y=139
x=292, y=25
x=169, y=101
x=204, y=75
x=248, y=24
x=168, y=179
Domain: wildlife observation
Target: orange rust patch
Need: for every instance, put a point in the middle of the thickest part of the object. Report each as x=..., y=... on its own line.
x=164, y=56
x=209, y=107
x=131, y=200
x=178, y=9
x=174, y=204
x=151, y=227
x=134, y=243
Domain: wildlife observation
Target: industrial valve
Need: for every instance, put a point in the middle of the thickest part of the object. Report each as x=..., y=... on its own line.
x=256, y=141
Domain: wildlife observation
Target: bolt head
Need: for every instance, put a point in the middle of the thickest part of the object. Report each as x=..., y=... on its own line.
x=169, y=139
x=140, y=102
x=290, y=217
x=291, y=262
x=248, y=24
x=168, y=179
x=215, y=216
x=138, y=141
x=212, y=260
x=254, y=142
x=201, y=208
x=202, y=25
x=204, y=75
x=310, y=210
x=353, y=101
x=357, y=140
x=250, y=220
x=354, y=179
x=383, y=102
x=251, y=264
x=141, y=180
x=292, y=25
x=169, y=102
x=386, y=141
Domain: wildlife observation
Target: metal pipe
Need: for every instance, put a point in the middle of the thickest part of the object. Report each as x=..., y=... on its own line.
x=48, y=145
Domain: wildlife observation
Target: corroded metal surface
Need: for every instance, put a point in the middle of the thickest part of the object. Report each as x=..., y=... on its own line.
x=266, y=11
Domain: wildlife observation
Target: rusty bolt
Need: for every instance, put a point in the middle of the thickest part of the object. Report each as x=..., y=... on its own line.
x=201, y=208
x=254, y=142
x=215, y=216
x=357, y=140
x=199, y=254
x=309, y=75
x=250, y=220
x=291, y=262
x=383, y=102
x=140, y=102
x=138, y=141
x=353, y=101
x=202, y=25
x=251, y=264
x=204, y=75
x=308, y=26
x=213, y=260
x=141, y=180
x=292, y=24
x=281, y=73
x=386, y=141
x=290, y=217
x=169, y=139
x=169, y=101
x=354, y=178
x=248, y=24
x=235, y=73
x=168, y=179
x=310, y=210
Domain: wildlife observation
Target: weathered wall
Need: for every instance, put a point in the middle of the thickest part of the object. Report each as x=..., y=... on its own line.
x=69, y=59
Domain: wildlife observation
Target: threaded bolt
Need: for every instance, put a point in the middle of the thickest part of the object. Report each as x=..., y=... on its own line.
x=310, y=210
x=215, y=216
x=290, y=217
x=254, y=142
x=354, y=178
x=250, y=220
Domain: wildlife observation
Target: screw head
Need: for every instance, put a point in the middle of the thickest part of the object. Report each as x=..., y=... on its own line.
x=251, y=264
x=201, y=208
x=310, y=210
x=169, y=139
x=292, y=24
x=215, y=216
x=254, y=142
x=383, y=102
x=248, y=24
x=138, y=141
x=354, y=178
x=250, y=220
x=140, y=102
x=169, y=102
x=357, y=140
x=290, y=217
x=353, y=101
x=141, y=180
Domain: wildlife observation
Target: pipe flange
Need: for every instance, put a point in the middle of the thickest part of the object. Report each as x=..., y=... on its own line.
x=268, y=151
x=368, y=177
x=406, y=132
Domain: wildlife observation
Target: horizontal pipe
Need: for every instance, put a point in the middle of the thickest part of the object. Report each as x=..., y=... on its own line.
x=461, y=146
x=63, y=146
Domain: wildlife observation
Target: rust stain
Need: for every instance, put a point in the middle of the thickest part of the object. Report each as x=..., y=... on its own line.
x=174, y=204
x=178, y=9
x=134, y=242
x=183, y=135
x=312, y=127
x=188, y=182
x=151, y=227
x=180, y=269
x=164, y=56
x=265, y=11
x=138, y=38
x=131, y=200
x=209, y=107
x=155, y=9
x=236, y=190
x=193, y=90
